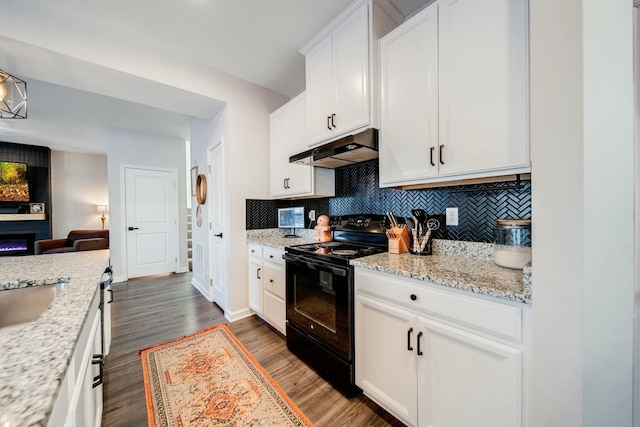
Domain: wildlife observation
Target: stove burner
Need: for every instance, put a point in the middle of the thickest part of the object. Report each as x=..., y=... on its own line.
x=329, y=244
x=347, y=252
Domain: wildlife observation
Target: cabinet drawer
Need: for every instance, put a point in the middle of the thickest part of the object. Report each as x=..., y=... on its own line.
x=274, y=311
x=274, y=279
x=273, y=255
x=488, y=317
x=255, y=250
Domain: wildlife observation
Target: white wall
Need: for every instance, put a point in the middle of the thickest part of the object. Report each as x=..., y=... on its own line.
x=582, y=193
x=245, y=126
x=203, y=134
x=142, y=150
x=78, y=185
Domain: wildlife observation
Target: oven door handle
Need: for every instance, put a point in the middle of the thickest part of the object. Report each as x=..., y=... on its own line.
x=314, y=264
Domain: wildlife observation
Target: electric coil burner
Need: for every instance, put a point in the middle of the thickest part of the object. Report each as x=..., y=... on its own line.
x=320, y=296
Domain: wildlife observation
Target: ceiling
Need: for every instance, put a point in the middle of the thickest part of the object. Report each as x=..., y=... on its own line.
x=40, y=41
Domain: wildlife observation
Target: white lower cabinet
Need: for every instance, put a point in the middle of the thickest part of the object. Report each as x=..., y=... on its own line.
x=79, y=402
x=255, y=278
x=419, y=357
x=267, y=285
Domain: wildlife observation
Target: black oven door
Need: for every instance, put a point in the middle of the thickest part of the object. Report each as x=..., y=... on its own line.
x=320, y=301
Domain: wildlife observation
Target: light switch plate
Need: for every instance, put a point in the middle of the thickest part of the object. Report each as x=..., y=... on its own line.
x=452, y=216
x=312, y=215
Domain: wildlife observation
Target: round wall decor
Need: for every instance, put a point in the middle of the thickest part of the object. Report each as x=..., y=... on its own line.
x=201, y=189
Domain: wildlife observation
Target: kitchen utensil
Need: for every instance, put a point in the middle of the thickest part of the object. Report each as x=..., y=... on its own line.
x=420, y=214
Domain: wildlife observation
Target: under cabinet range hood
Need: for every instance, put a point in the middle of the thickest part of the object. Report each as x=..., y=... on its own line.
x=342, y=152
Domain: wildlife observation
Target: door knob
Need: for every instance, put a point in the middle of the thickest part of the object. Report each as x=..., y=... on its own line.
x=218, y=235
x=133, y=228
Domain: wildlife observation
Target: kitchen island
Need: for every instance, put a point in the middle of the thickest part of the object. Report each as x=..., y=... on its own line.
x=35, y=356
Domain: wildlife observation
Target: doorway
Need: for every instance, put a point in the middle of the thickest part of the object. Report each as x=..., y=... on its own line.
x=151, y=221
x=217, y=222
x=636, y=81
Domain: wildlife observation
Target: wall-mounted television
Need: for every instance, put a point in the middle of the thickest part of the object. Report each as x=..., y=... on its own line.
x=14, y=185
x=291, y=218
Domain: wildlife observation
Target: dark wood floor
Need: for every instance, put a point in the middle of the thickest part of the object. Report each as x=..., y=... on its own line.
x=152, y=311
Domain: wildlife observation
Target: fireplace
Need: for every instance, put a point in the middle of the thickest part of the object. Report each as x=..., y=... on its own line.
x=17, y=244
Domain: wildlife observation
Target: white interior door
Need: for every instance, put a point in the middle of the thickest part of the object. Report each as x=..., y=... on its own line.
x=636, y=350
x=151, y=212
x=216, y=224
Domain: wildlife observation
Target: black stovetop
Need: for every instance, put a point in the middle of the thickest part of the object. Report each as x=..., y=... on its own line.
x=354, y=236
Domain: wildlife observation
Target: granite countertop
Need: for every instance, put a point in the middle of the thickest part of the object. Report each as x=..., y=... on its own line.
x=34, y=357
x=461, y=265
x=275, y=238
x=469, y=274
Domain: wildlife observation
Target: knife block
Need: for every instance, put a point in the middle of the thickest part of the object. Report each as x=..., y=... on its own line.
x=400, y=244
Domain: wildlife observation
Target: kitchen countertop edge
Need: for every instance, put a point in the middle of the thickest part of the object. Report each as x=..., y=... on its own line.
x=30, y=380
x=467, y=266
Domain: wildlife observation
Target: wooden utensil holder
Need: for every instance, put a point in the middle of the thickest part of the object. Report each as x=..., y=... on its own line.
x=401, y=243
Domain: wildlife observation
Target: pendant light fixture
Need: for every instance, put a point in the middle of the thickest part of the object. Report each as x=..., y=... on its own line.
x=13, y=97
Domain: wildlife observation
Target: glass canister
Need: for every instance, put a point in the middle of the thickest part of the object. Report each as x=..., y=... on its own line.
x=512, y=243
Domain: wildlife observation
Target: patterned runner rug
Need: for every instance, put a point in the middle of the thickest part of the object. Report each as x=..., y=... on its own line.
x=210, y=379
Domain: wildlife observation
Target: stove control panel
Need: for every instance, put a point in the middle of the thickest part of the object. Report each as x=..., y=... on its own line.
x=358, y=222
x=361, y=223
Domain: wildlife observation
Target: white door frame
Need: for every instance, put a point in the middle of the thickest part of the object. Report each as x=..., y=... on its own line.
x=219, y=141
x=636, y=344
x=123, y=214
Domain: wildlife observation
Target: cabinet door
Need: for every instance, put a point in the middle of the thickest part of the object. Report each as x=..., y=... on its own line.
x=483, y=85
x=279, y=151
x=385, y=349
x=320, y=91
x=85, y=408
x=466, y=380
x=274, y=308
x=255, y=284
x=300, y=176
x=351, y=71
x=409, y=99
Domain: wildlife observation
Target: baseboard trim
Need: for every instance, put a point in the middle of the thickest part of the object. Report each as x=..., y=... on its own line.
x=237, y=315
x=201, y=288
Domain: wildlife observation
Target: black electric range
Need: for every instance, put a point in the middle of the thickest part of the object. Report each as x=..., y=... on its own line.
x=320, y=297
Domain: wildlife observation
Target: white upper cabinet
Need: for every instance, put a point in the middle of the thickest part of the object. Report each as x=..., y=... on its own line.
x=288, y=137
x=458, y=107
x=409, y=101
x=341, y=71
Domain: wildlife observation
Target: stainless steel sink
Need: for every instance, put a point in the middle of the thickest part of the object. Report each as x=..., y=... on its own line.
x=25, y=305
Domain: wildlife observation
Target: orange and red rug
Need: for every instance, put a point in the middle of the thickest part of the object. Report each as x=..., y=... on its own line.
x=210, y=379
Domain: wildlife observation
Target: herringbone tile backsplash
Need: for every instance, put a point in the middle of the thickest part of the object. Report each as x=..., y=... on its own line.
x=357, y=192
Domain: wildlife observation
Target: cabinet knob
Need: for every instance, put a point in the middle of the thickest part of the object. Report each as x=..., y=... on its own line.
x=271, y=280
x=413, y=297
